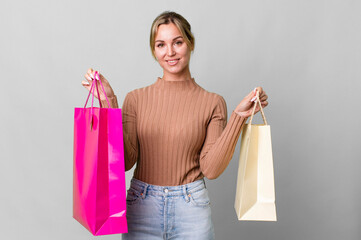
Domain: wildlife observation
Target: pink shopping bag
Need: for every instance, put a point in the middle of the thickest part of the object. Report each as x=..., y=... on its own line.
x=99, y=190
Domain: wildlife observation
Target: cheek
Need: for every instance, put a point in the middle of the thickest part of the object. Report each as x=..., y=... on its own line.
x=184, y=51
x=159, y=53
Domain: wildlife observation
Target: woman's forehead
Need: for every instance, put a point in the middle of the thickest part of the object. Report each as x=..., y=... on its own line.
x=167, y=32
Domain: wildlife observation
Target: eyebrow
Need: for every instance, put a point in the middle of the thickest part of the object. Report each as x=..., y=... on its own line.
x=172, y=40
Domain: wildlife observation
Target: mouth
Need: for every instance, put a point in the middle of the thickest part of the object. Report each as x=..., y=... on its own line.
x=172, y=62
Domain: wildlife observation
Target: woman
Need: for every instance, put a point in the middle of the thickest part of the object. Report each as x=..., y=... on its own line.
x=177, y=133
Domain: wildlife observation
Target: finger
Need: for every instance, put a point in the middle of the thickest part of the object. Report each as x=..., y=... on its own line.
x=88, y=87
x=254, y=94
x=96, y=75
x=250, y=96
x=263, y=98
x=264, y=104
x=90, y=72
x=88, y=78
x=85, y=83
x=259, y=90
x=261, y=94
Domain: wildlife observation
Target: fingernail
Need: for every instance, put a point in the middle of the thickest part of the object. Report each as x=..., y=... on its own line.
x=94, y=76
x=254, y=90
x=253, y=99
x=86, y=83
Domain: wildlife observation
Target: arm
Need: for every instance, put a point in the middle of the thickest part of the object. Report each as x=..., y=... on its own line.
x=221, y=140
x=131, y=144
x=130, y=139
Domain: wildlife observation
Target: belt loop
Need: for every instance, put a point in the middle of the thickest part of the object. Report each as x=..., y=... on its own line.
x=144, y=191
x=185, y=193
x=204, y=183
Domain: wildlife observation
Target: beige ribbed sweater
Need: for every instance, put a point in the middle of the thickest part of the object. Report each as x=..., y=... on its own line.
x=177, y=132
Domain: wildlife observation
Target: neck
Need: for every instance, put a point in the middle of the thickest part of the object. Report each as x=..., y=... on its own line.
x=182, y=76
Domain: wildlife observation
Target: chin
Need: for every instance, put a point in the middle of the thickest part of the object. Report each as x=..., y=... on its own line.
x=173, y=70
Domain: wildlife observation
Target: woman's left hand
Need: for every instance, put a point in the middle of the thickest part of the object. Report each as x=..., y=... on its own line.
x=245, y=107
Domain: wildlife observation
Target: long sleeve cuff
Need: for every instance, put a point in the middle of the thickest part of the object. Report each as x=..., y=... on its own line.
x=237, y=122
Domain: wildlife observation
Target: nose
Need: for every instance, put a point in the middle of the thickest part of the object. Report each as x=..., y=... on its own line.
x=171, y=51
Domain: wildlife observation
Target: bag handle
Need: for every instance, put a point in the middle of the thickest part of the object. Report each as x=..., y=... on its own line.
x=96, y=78
x=92, y=90
x=254, y=109
x=101, y=84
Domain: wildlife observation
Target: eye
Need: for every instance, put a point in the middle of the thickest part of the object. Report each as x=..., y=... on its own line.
x=178, y=42
x=160, y=45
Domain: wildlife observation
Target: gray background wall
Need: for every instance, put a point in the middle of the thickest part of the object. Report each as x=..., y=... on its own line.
x=305, y=54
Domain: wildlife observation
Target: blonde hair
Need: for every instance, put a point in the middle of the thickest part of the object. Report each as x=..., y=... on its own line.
x=181, y=23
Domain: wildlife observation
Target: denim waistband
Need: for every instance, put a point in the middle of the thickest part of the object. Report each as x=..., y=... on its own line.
x=149, y=189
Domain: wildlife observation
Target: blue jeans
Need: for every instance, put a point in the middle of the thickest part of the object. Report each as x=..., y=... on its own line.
x=168, y=212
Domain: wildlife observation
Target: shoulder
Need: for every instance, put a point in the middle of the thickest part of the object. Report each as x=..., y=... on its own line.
x=139, y=92
x=135, y=94
x=214, y=99
x=215, y=104
x=216, y=107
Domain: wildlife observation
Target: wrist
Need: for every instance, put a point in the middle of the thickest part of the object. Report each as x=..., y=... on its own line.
x=104, y=98
x=112, y=101
x=241, y=114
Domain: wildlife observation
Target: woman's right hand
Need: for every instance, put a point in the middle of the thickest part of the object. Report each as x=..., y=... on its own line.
x=245, y=107
x=89, y=76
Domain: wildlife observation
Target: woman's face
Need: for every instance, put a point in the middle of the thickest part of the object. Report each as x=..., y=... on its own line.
x=171, y=51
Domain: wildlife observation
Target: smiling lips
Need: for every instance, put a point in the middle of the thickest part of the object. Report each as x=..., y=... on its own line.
x=172, y=62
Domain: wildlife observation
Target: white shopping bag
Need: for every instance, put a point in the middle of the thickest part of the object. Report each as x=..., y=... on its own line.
x=255, y=195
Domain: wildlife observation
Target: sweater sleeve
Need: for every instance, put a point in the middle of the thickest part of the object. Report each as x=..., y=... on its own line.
x=131, y=144
x=221, y=140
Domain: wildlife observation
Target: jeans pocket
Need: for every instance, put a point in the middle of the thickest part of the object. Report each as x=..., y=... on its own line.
x=200, y=198
x=133, y=196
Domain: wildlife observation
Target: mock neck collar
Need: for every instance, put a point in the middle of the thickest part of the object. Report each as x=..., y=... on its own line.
x=175, y=85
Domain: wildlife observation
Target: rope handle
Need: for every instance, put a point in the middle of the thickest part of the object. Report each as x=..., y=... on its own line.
x=254, y=109
x=101, y=84
x=96, y=78
x=92, y=91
